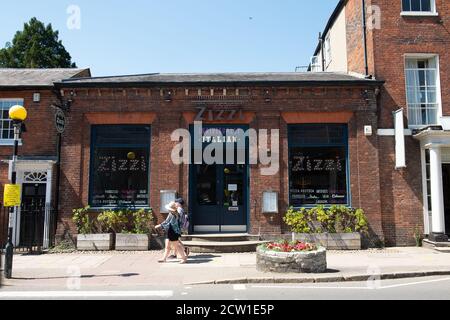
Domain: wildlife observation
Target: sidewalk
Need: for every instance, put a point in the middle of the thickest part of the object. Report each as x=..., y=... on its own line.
x=134, y=270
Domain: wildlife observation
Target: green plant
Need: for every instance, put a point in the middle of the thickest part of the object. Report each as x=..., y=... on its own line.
x=142, y=220
x=114, y=221
x=330, y=220
x=298, y=220
x=82, y=220
x=418, y=236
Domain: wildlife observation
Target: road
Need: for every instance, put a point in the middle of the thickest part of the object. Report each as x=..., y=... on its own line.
x=434, y=288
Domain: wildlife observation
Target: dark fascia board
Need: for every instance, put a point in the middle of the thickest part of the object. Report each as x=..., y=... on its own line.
x=340, y=6
x=26, y=88
x=340, y=83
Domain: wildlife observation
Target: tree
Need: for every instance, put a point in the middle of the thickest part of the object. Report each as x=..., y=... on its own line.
x=37, y=46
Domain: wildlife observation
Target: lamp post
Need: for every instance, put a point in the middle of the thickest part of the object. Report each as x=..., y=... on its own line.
x=18, y=115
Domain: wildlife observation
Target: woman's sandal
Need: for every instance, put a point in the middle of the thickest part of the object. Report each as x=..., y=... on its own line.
x=162, y=261
x=183, y=261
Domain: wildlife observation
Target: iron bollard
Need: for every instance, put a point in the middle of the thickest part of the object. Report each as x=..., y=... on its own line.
x=9, y=253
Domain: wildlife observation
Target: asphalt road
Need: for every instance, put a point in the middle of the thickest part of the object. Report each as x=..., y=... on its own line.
x=431, y=288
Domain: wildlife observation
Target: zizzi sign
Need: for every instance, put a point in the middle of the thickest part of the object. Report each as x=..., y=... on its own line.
x=210, y=114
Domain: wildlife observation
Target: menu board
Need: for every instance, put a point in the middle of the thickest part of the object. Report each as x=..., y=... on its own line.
x=318, y=176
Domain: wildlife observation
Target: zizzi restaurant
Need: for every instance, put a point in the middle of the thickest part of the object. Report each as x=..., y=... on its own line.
x=240, y=148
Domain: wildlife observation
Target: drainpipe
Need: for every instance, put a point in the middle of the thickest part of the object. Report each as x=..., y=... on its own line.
x=321, y=51
x=364, y=23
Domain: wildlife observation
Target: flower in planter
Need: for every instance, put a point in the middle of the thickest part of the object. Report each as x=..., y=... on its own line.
x=285, y=246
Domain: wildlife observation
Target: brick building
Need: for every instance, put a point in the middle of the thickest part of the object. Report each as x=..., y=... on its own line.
x=407, y=46
x=320, y=116
x=38, y=147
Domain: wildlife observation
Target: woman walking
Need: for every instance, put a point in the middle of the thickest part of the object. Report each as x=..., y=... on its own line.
x=172, y=227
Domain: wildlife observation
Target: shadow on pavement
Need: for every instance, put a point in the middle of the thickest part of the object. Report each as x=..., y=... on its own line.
x=123, y=275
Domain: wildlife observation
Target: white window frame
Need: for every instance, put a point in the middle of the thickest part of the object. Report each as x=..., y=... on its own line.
x=438, y=85
x=432, y=12
x=9, y=142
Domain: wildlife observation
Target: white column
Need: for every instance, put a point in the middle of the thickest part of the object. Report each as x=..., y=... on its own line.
x=48, y=203
x=437, y=191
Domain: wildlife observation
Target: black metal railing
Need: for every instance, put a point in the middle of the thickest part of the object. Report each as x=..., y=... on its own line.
x=35, y=225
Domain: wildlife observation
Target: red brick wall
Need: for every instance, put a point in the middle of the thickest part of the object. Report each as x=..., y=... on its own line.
x=40, y=138
x=401, y=192
x=403, y=195
x=350, y=102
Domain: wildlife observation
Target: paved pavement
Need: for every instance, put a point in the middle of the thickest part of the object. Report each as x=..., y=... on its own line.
x=135, y=271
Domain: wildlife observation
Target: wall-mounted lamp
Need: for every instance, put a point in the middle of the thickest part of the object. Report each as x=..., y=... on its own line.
x=267, y=96
x=167, y=196
x=168, y=96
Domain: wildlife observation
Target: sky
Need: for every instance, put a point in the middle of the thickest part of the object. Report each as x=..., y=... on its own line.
x=118, y=37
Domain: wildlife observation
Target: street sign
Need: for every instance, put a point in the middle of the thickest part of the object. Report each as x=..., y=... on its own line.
x=12, y=195
x=60, y=121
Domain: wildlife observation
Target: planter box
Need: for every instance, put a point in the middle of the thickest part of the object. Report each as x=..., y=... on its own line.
x=95, y=242
x=157, y=242
x=132, y=242
x=292, y=262
x=333, y=241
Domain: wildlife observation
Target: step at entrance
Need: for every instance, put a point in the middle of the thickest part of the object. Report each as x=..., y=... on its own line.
x=222, y=243
x=443, y=247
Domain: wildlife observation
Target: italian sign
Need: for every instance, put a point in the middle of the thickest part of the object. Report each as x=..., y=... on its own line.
x=12, y=195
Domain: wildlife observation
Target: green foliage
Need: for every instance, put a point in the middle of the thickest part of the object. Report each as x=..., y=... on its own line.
x=418, y=236
x=335, y=219
x=142, y=220
x=114, y=221
x=299, y=220
x=126, y=221
x=37, y=46
x=82, y=220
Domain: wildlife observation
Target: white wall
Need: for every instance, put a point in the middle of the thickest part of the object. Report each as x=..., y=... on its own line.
x=338, y=37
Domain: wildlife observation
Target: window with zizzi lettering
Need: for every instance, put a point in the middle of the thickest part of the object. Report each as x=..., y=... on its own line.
x=318, y=165
x=120, y=166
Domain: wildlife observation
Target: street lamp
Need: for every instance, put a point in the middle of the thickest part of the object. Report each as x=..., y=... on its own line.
x=18, y=114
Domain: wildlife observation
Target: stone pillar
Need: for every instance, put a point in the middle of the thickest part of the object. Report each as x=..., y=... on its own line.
x=437, y=196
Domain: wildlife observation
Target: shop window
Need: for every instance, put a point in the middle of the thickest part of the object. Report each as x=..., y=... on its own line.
x=318, y=165
x=6, y=127
x=120, y=166
x=422, y=91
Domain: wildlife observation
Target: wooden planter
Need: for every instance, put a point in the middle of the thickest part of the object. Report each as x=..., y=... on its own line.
x=132, y=242
x=95, y=242
x=332, y=241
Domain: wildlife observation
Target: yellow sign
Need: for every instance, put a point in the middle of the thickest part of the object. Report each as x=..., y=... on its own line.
x=12, y=195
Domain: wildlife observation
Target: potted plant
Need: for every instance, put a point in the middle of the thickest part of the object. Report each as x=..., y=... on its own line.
x=135, y=232
x=335, y=228
x=287, y=257
x=88, y=238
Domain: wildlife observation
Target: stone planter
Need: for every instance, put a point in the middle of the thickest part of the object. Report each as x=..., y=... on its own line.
x=95, y=242
x=333, y=241
x=292, y=262
x=132, y=242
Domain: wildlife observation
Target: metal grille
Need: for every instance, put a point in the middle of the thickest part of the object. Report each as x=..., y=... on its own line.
x=35, y=234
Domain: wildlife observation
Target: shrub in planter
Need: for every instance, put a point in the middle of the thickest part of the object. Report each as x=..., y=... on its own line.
x=88, y=238
x=285, y=257
x=131, y=228
x=337, y=227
